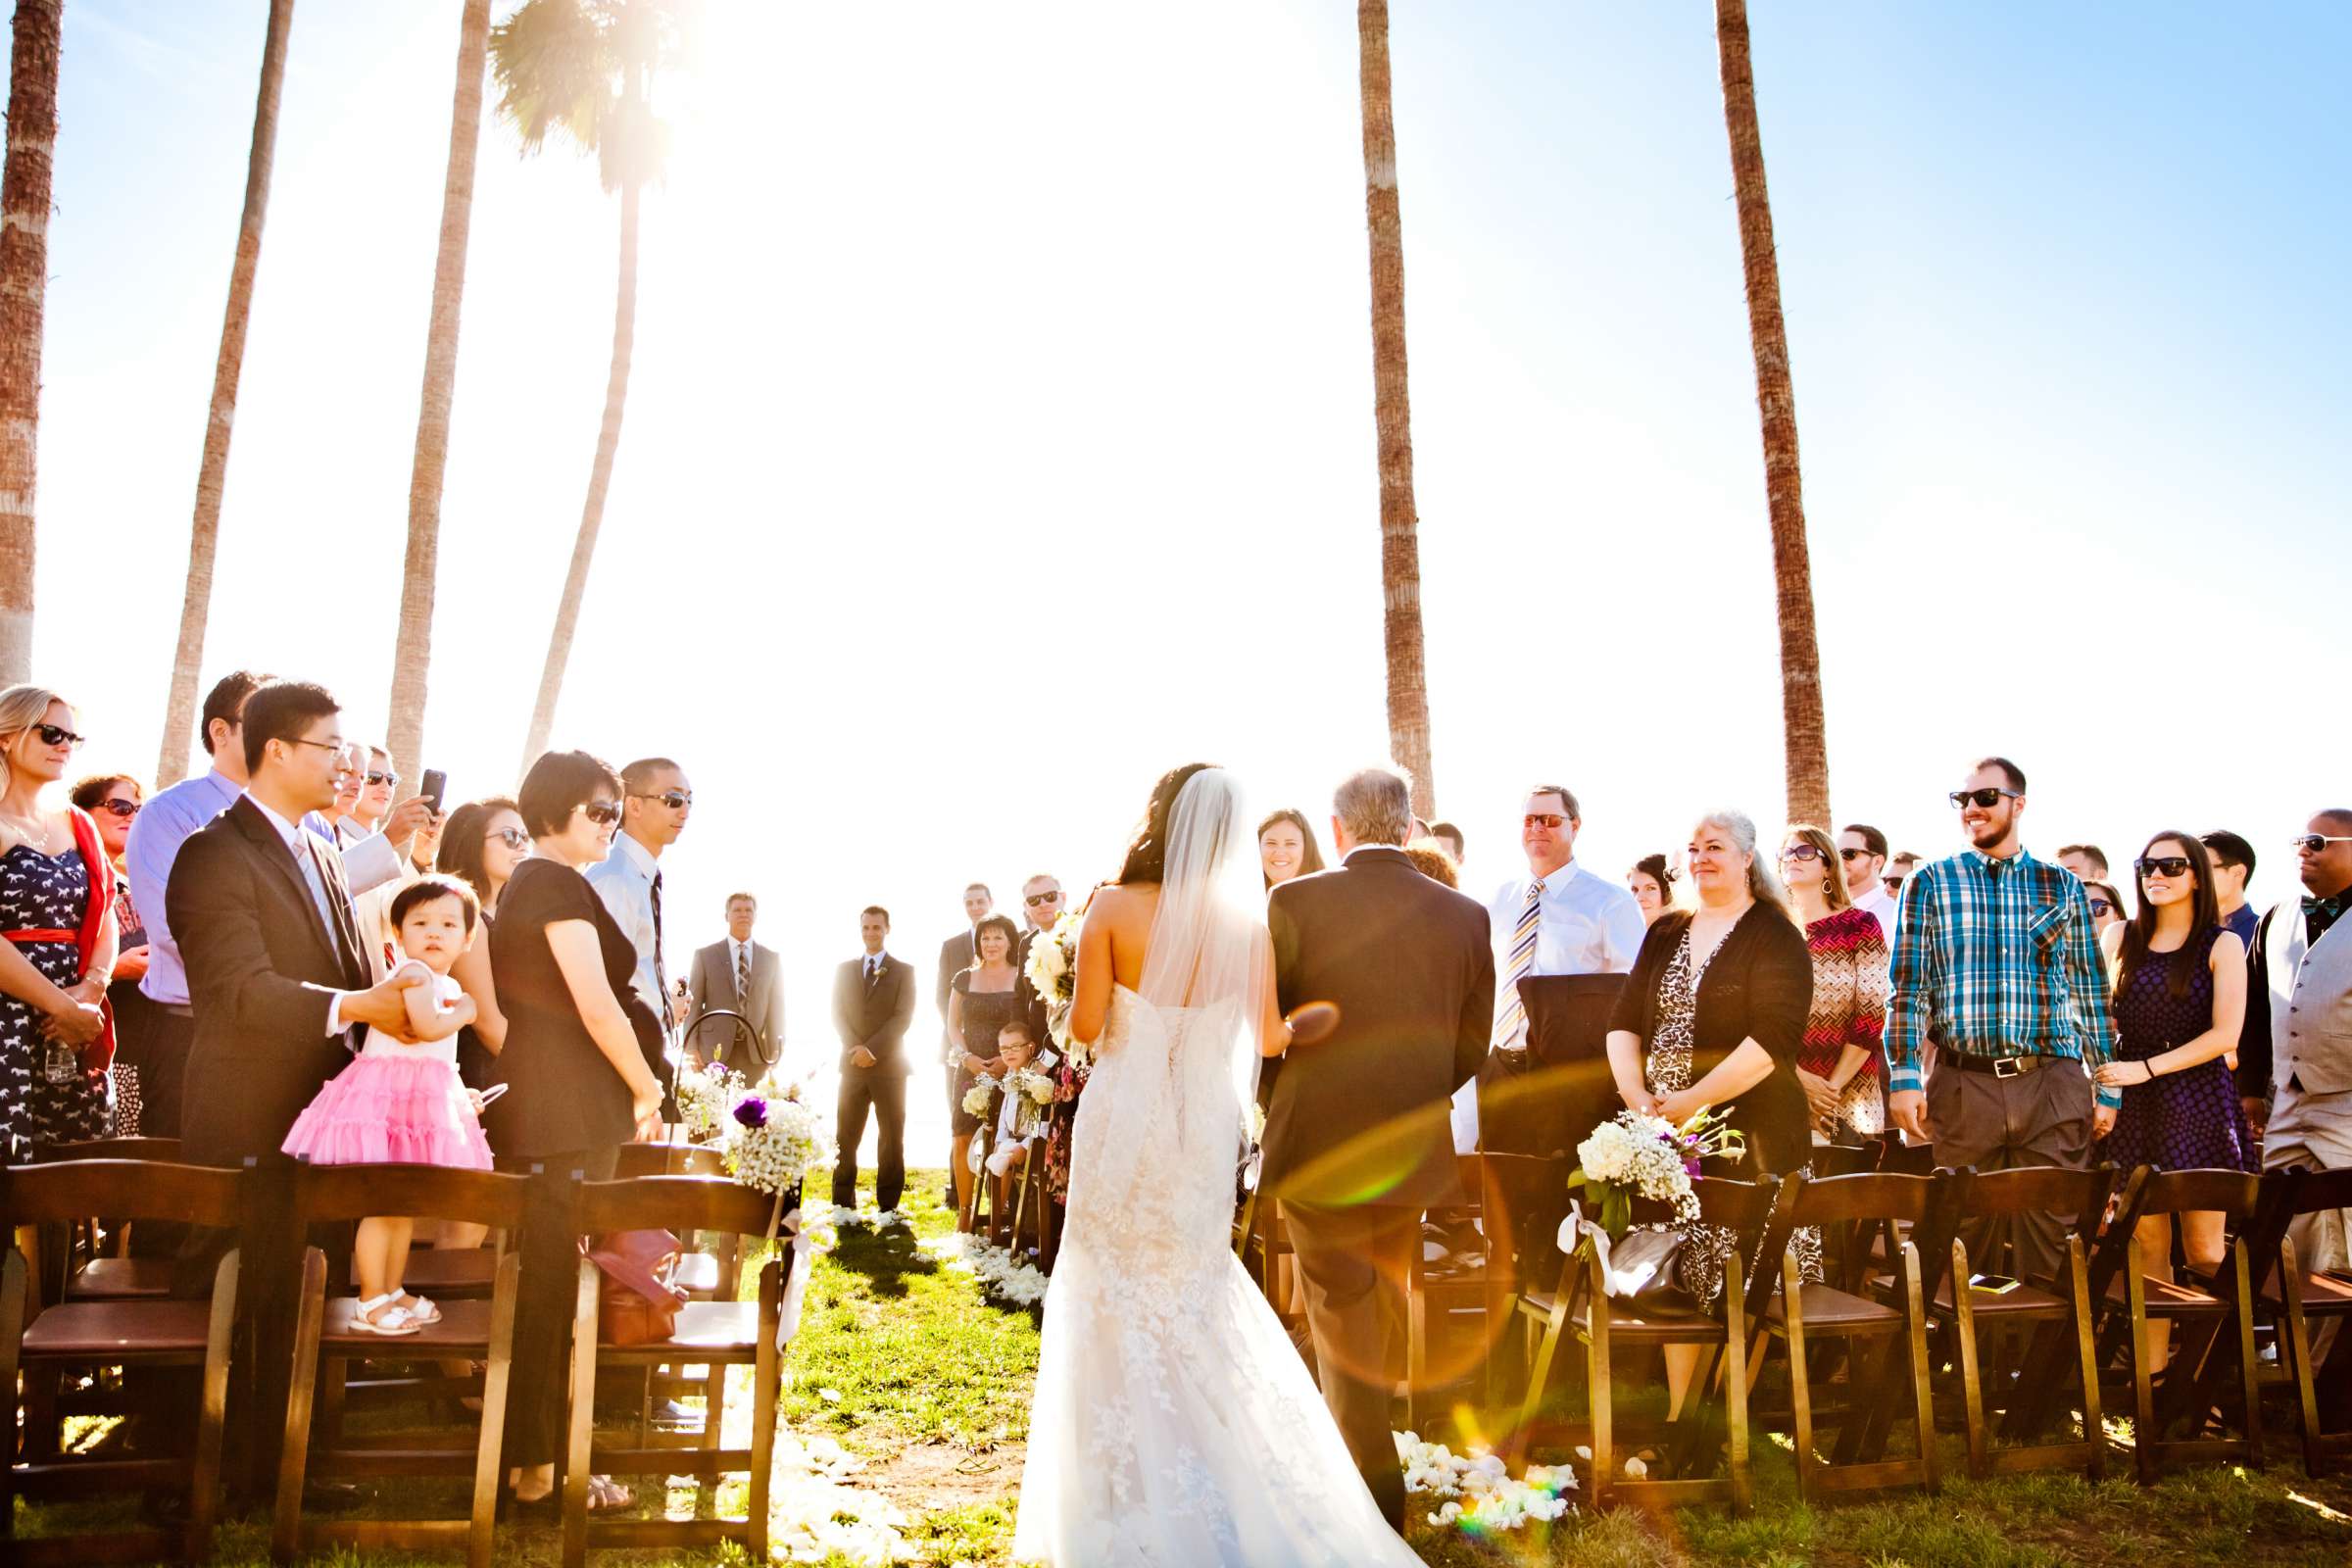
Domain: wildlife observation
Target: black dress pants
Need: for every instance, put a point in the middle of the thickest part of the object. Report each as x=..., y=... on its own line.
x=536, y=1396
x=882, y=1089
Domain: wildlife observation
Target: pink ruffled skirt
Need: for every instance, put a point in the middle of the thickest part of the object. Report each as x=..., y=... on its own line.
x=403, y=1110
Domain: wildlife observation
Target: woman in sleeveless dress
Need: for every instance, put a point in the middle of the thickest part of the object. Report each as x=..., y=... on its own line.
x=979, y=1001
x=2180, y=996
x=1174, y=1422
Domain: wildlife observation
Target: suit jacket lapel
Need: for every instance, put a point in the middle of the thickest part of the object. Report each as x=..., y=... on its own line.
x=263, y=838
x=354, y=959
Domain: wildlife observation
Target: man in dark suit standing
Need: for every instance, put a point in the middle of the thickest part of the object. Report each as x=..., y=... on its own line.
x=279, y=987
x=1358, y=1140
x=873, y=1002
x=957, y=954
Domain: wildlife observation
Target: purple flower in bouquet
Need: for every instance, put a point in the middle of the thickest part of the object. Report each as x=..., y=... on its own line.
x=751, y=1112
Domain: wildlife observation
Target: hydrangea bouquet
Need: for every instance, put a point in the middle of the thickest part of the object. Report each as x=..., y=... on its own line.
x=774, y=1134
x=1052, y=973
x=981, y=1096
x=1038, y=1088
x=705, y=1096
x=1638, y=1155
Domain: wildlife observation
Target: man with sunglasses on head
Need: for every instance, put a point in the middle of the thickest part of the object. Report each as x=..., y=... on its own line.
x=656, y=801
x=2294, y=1052
x=1997, y=966
x=1557, y=920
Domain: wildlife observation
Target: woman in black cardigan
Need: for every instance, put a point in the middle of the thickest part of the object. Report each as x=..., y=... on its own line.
x=1713, y=1014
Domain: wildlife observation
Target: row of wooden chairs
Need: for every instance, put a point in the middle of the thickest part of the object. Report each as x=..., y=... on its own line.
x=126, y=1322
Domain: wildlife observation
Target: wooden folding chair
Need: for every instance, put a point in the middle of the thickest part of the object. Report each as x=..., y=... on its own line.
x=1804, y=1316
x=325, y=1338
x=710, y=1269
x=1476, y=1288
x=2063, y=1304
x=1581, y=1303
x=82, y=1269
x=116, y=1333
x=2295, y=1295
x=2208, y=1319
x=708, y=1333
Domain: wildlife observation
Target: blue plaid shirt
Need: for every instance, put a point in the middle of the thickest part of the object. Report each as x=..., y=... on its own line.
x=1996, y=959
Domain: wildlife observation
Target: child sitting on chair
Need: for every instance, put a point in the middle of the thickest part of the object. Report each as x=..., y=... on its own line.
x=403, y=1103
x=1022, y=1120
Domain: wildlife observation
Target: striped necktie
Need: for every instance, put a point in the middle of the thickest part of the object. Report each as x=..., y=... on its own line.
x=743, y=975
x=1511, y=1019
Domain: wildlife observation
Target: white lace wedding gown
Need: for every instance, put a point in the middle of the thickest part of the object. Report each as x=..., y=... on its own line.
x=1174, y=1422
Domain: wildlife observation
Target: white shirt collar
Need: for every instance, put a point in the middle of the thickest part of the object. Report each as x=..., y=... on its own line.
x=291, y=834
x=874, y=958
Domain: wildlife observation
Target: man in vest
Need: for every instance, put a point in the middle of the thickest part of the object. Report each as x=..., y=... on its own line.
x=2294, y=1054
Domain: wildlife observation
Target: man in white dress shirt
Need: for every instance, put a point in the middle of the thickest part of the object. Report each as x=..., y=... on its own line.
x=1863, y=849
x=1557, y=919
x=657, y=802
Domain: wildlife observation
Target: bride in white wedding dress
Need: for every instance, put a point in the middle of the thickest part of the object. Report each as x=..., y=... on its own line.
x=1174, y=1423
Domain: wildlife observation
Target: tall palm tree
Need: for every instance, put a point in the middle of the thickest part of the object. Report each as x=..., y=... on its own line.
x=1801, y=723
x=411, y=658
x=24, y=295
x=1392, y=417
x=212, y=475
x=586, y=68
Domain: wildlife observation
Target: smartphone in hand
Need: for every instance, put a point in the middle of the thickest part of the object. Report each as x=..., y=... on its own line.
x=435, y=783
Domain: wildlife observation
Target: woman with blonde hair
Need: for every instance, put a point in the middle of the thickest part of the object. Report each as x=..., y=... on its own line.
x=1839, y=1063
x=57, y=937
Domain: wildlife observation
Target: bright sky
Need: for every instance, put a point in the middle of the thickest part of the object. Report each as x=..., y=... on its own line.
x=1002, y=425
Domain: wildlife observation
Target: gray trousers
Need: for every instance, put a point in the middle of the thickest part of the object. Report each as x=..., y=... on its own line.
x=2036, y=1118
x=1354, y=1261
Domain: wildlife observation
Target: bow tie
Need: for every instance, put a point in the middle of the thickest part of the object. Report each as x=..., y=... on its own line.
x=2330, y=907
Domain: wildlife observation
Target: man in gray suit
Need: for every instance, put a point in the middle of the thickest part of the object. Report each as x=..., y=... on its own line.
x=738, y=975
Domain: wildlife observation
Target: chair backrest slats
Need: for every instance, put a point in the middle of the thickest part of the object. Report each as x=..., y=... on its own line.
x=163, y=1150
x=674, y=1203
x=639, y=1160
x=2038, y=1190
x=2236, y=1194
x=418, y=1192
x=1878, y=1195
x=119, y=1189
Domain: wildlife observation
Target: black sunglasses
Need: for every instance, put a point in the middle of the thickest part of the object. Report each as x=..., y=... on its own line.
x=675, y=800
x=1849, y=856
x=2161, y=865
x=1890, y=883
x=1985, y=799
x=125, y=810
x=387, y=779
x=57, y=735
x=603, y=814
x=2100, y=906
x=514, y=838
x=1800, y=852
x=1036, y=898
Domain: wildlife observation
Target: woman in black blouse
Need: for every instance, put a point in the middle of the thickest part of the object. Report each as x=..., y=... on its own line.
x=1713, y=1014
x=577, y=1084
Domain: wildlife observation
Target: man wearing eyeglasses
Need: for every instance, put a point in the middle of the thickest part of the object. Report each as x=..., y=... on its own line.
x=1997, y=965
x=656, y=801
x=1557, y=920
x=2294, y=1051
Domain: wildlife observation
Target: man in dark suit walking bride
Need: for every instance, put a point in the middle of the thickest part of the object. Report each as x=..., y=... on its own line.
x=1358, y=1141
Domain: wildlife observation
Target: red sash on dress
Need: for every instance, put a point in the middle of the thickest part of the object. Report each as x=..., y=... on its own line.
x=99, y=1053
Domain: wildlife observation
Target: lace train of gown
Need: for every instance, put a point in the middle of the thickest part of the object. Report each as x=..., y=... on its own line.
x=1173, y=1422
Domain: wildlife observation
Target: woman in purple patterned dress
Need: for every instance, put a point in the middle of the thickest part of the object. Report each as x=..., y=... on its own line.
x=2179, y=996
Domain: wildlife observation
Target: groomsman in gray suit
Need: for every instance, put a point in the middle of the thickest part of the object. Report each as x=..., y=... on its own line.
x=738, y=975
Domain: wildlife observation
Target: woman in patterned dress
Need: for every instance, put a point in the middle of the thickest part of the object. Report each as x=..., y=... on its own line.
x=2180, y=996
x=1839, y=1062
x=50, y=990
x=114, y=801
x=979, y=1000
x=1713, y=1014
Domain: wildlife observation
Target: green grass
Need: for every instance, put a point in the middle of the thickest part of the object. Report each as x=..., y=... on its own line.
x=902, y=1363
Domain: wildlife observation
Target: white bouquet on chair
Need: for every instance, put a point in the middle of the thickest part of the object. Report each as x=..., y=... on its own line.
x=706, y=1094
x=773, y=1136
x=1038, y=1088
x=1634, y=1155
x=981, y=1096
x=1052, y=973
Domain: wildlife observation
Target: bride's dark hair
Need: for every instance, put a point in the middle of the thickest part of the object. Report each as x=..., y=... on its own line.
x=1147, y=852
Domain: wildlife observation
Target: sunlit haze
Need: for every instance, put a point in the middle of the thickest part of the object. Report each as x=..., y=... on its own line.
x=1000, y=430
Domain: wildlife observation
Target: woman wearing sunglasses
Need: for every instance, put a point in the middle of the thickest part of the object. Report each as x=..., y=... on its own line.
x=57, y=937
x=112, y=800
x=2107, y=911
x=482, y=842
x=573, y=1064
x=2180, y=998
x=1837, y=1064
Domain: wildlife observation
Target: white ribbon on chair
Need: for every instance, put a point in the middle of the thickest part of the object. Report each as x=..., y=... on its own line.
x=1640, y=1269
x=795, y=1287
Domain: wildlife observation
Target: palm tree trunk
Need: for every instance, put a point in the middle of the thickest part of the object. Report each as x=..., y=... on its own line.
x=1392, y=417
x=599, y=478
x=23, y=294
x=1805, y=730
x=411, y=658
x=211, y=476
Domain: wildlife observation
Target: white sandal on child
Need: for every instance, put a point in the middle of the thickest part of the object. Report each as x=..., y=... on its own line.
x=420, y=1310
x=395, y=1320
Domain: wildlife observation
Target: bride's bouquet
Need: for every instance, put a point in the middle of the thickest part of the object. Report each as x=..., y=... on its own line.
x=1638, y=1155
x=1052, y=973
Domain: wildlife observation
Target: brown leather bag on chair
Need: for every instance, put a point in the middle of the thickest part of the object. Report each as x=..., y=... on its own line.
x=637, y=1302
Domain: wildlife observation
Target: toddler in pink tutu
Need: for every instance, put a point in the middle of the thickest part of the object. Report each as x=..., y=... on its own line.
x=403, y=1103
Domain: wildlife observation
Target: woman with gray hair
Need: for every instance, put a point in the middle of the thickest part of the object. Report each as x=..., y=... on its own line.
x=1714, y=1015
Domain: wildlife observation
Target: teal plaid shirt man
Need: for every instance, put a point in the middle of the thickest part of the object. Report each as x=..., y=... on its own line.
x=1996, y=959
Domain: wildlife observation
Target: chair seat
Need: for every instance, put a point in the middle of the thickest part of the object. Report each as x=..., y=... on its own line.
x=2025, y=1301
x=464, y=1324
x=100, y=1330
x=115, y=1279
x=2171, y=1301
x=450, y=1270
x=707, y=1327
x=698, y=1274
x=1830, y=1310
x=2321, y=1293
x=1673, y=1328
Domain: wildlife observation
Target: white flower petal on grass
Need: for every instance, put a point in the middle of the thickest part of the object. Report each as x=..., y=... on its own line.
x=1481, y=1494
